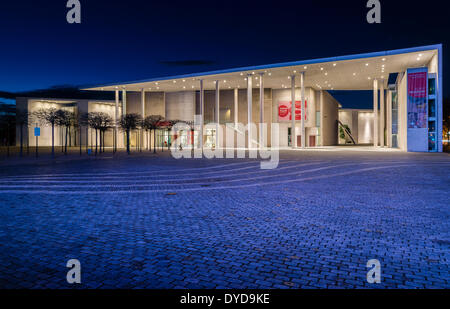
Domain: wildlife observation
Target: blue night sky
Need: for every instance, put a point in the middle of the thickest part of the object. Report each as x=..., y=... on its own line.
x=131, y=40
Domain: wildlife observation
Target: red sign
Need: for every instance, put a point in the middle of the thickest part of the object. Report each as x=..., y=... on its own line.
x=284, y=110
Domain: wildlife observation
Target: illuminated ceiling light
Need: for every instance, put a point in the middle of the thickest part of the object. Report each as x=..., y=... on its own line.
x=245, y=78
x=257, y=85
x=256, y=77
x=420, y=55
x=334, y=64
x=326, y=74
x=418, y=59
x=354, y=74
x=224, y=81
x=305, y=67
x=242, y=74
x=184, y=80
x=295, y=71
x=157, y=83
x=321, y=69
x=367, y=64
x=229, y=87
x=270, y=74
x=193, y=87
x=174, y=81
x=368, y=78
x=382, y=76
x=184, y=87
x=384, y=59
x=253, y=73
x=157, y=87
x=289, y=77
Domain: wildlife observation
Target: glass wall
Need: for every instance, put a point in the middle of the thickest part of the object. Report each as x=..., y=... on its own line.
x=394, y=119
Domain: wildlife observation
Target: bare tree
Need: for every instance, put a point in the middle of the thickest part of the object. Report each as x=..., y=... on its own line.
x=7, y=122
x=106, y=122
x=48, y=116
x=151, y=123
x=83, y=121
x=22, y=120
x=127, y=123
x=65, y=121
x=95, y=120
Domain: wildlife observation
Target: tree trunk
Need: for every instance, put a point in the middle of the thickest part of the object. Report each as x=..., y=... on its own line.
x=87, y=139
x=154, y=141
x=53, y=140
x=128, y=141
x=7, y=141
x=21, y=139
x=96, y=142
x=65, y=144
x=104, y=140
x=80, y=141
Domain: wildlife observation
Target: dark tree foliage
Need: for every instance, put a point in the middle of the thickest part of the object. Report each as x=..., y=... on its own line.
x=128, y=123
x=151, y=123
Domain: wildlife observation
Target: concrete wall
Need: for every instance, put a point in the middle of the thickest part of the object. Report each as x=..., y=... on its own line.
x=349, y=117
x=365, y=127
x=280, y=95
x=180, y=105
x=329, y=116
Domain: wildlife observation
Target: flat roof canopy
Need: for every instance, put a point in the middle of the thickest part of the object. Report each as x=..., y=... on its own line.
x=354, y=72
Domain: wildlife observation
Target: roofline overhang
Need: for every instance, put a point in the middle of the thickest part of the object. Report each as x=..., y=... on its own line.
x=278, y=65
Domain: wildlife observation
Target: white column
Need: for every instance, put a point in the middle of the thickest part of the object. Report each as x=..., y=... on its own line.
x=202, y=118
x=124, y=102
x=217, y=114
x=382, y=114
x=261, y=110
x=375, y=113
x=322, y=117
x=236, y=107
x=249, y=111
x=116, y=120
x=143, y=116
x=293, y=133
x=389, y=118
x=124, y=112
x=302, y=83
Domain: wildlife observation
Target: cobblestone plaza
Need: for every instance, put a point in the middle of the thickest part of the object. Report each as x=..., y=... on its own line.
x=149, y=221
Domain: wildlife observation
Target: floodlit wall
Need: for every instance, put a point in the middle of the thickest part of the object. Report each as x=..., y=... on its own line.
x=180, y=105
x=45, y=140
x=154, y=103
x=349, y=117
x=284, y=95
x=329, y=107
x=365, y=127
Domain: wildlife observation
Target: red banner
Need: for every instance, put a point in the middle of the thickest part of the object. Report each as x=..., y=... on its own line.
x=417, y=100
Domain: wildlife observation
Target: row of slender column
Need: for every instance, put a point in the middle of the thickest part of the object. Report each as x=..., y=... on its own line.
x=303, y=110
x=250, y=141
x=380, y=123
